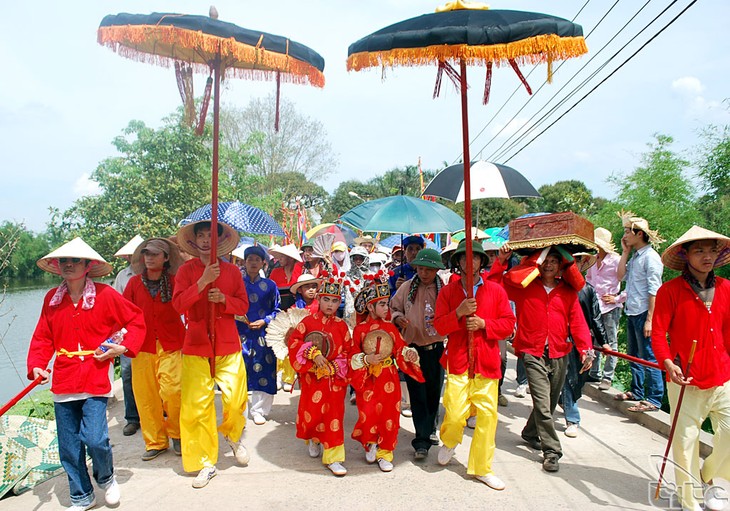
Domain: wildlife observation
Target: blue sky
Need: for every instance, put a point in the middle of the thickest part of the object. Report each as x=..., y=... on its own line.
x=63, y=98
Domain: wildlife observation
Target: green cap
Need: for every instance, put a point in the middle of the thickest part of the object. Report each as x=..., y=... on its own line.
x=429, y=258
x=461, y=249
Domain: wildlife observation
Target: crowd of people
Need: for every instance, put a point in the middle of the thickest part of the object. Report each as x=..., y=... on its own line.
x=395, y=332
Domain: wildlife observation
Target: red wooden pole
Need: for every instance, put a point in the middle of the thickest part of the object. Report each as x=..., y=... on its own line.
x=674, y=419
x=618, y=354
x=469, y=277
x=21, y=394
x=214, y=197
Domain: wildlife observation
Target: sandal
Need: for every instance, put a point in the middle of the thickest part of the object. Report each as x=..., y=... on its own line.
x=624, y=396
x=642, y=406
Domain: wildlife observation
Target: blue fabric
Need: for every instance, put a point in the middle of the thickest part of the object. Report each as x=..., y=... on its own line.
x=405, y=270
x=130, y=405
x=240, y=216
x=264, y=301
x=570, y=406
x=640, y=346
x=643, y=278
x=255, y=250
x=82, y=428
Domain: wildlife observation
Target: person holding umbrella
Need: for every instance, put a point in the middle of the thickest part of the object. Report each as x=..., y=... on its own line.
x=696, y=306
x=489, y=318
x=199, y=282
x=156, y=371
x=78, y=320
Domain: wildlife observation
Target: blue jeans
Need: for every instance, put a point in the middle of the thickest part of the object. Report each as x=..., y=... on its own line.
x=130, y=405
x=640, y=346
x=610, y=322
x=82, y=428
x=570, y=406
x=521, y=373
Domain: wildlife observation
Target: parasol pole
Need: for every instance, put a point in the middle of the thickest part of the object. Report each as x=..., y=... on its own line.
x=636, y=360
x=674, y=419
x=469, y=277
x=214, y=196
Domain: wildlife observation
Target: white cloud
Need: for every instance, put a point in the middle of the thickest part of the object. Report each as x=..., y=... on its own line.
x=688, y=85
x=85, y=186
x=512, y=127
x=582, y=156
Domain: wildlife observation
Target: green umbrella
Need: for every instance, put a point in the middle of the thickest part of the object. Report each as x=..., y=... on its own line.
x=403, y=214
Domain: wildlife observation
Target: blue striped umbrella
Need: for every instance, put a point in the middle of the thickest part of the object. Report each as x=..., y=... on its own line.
x=240, y=216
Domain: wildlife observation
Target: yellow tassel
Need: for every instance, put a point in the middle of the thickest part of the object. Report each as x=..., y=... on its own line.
x=162, y=45
x=533, y=50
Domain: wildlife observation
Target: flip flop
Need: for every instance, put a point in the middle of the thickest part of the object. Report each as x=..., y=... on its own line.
x=624, y=396
x=642, y=406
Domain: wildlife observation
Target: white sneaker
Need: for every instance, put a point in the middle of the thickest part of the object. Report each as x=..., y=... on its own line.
x=113, y=495
x=492, y=481
x=239, y=451
x=471, y=422
x=521, y=390
x=337, y=469
x=204, y=477
x=83, y=507
x=371, y=453
x=572, y=430
x=286, y=387
x=314, y=448
x=445, y=454
x=406, y=411
x=385, y=465
x=716, y=498
x=259, y=419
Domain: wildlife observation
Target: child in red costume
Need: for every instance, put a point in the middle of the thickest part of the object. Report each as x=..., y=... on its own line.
x=377, y=346
x=318, y=352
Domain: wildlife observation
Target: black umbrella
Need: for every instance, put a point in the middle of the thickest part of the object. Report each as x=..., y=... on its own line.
x=488, y=180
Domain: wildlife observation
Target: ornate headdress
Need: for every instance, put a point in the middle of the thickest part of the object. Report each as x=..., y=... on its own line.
x=333, y=283
x=376, y=288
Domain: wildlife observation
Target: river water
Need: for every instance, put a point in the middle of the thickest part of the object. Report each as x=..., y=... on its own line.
x=19, y=313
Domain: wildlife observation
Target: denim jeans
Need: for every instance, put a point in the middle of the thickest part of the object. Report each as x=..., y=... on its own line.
x=640, y=346
x=570, y=405
x=521, y=373
x=130, y=405
x=610, y=322
x=82, y=428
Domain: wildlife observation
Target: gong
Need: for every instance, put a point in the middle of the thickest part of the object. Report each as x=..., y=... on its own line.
x=378, y=341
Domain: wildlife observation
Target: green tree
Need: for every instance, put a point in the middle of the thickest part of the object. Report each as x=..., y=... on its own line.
x=714, y=173
x=20, y=250
x=572, y=195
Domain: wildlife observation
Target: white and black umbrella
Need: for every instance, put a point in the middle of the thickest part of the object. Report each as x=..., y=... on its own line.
x=488, y=181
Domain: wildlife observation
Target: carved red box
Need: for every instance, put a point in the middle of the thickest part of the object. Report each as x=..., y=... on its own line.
x=553, y=229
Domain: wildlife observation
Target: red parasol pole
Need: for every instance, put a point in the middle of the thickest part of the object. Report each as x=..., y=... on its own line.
x=214, y=197
x=20, y=395
x=469, y=277
x=618, y=354
x=674, y=419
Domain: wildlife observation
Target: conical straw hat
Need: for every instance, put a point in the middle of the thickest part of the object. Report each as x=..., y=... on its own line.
x=130, y=247
x=604, y=239
x=75, y=248
x=287, y=250
x=227, y=242
x=675, y=257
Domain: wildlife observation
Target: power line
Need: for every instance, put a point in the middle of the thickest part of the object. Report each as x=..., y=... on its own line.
x=605, y=79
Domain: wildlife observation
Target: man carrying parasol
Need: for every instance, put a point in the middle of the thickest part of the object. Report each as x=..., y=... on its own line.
x=197, y=283
x=696, y=306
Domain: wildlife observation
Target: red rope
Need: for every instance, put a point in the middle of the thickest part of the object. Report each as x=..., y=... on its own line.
x=204, y=106
x=520, y=76
x=487, y=84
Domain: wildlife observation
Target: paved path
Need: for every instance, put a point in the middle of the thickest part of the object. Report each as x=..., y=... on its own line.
x=607, y=467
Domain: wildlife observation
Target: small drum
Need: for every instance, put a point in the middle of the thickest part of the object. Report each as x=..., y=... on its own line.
x=378, y=342
x=321, y=340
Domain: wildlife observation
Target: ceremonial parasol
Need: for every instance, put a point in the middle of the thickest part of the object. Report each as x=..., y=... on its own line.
x=242, y=217
x=467, y=33
x=217, y=48
x=402, y=214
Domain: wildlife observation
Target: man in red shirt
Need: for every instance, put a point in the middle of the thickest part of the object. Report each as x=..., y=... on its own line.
x=199, y=282
x=548, y=315
x=488, y=318
x=696, y=306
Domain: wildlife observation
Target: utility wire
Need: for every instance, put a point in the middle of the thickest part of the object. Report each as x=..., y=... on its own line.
x=605, y=79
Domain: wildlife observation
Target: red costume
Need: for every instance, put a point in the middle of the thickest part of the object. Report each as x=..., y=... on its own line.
x=378, y=387
x=278, y=275
x=322, y=401
x=162, y=320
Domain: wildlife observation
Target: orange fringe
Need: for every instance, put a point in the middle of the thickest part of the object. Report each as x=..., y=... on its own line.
x=533, y=50
x=163, y=45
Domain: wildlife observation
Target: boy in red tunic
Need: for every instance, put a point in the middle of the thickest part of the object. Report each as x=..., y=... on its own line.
x=318, y=352
x=376, y=347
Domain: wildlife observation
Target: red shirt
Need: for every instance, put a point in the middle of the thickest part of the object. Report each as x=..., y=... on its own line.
x=75, y=329
x=680, y=313
x=278, y=275
x=493, y=307
x=162, y=320
x=542, y=315
x=196, y=307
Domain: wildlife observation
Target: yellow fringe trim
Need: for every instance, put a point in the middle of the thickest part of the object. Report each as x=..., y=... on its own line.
x=533, y=50
x=163, y=45
x=460, y=5
x=553, y=240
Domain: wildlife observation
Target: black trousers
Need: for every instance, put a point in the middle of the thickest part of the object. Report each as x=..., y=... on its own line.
x=425, y=397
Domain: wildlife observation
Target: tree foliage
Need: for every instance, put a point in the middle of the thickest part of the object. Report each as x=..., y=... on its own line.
x=714, y=173
x=19, y=251
x=572, y=195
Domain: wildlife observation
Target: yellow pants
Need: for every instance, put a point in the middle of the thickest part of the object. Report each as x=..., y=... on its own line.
x=459, y=395
x=198, y=434
x=288, y=374
x=156, y=384
x=696, y=406
x=334, y=454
